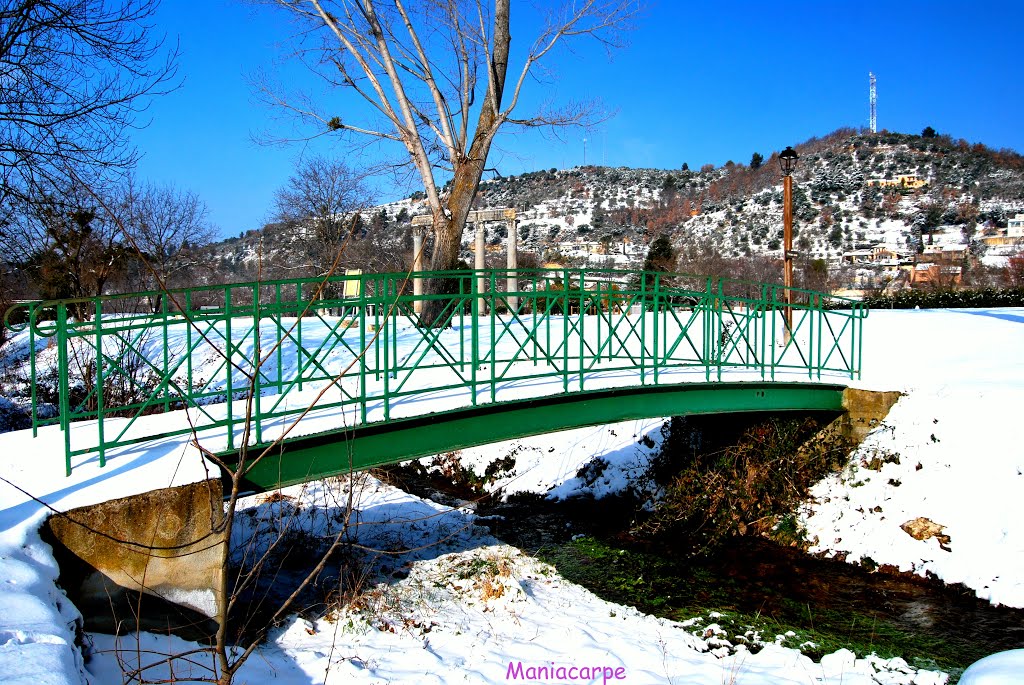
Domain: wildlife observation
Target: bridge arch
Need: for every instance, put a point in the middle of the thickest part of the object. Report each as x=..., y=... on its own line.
x=377, y=444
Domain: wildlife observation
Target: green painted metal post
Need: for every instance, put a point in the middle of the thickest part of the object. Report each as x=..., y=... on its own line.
x=228, y=368
x=190, y=384
x=655, y=344
x=363, y=354
x=382, y=301
x=492, y=313
x=857, y=341
x=808, y=316
x=98, y=324
x=300, y=307
x=821, y=331
x=718, y=328
x=167, y=351
x=565, y=331
x=386, y=367
x=474, y=285
x=581, y=314
x=32, y=369
x=393, y=322
x=548, y=306
x=707, y=350
x=279, y=310
x=534, y=305
x=774, y=344
x=257, y=366
x=764, y=335
x=63, y=400
x=462, y=323
x=643, y=327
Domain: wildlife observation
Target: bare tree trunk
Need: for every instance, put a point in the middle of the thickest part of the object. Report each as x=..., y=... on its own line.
x=448, y=229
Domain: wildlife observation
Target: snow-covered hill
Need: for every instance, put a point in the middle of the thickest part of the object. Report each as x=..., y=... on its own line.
x=853, y=191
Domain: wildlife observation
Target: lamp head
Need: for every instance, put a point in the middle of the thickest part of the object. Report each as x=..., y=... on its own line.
x=787, y=160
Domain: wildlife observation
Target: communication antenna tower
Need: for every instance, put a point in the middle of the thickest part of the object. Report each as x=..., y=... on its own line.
x=873, y=99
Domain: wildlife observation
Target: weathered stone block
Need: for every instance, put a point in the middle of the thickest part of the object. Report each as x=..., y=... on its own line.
x=166, y=543
x=865, y=410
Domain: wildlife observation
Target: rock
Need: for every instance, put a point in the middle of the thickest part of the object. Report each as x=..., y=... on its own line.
x=923, y=529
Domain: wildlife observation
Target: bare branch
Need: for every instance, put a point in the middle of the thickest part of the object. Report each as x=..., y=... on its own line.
x=76, y=76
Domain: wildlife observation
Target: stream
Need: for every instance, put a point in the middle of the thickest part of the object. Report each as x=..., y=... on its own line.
x=755, y=582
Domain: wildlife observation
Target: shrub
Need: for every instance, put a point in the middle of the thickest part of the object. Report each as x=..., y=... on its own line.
x=746, y=486
x=948, y=299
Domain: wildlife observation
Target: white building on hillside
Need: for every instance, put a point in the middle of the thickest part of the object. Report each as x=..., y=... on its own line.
x=1015, y=227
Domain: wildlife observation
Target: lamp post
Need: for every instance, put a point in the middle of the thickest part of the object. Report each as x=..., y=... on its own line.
x=787, y=162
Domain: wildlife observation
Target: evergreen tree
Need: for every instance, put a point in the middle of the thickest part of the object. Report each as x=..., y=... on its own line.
x=756, y=160
x=661, y=256
x=379, y=222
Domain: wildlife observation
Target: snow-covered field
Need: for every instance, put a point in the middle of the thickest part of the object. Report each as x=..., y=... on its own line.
x=469, y=609
x=950, y=452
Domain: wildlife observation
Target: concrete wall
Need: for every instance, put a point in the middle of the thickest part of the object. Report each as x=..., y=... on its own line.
x=166, y=543
x=864, y=410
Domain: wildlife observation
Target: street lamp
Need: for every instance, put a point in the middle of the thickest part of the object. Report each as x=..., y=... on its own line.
x=787, y=162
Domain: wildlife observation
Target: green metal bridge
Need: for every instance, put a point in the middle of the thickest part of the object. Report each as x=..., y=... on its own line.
x=299, y=379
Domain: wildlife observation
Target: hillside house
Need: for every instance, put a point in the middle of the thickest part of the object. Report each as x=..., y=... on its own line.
x=945, y=254
x=903, y=182
x=857, y=257
x=930, y=273
x=1015, y=227
x=877, y=255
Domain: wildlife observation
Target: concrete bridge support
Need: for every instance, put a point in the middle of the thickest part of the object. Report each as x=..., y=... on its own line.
x=165, y=543
x=864, y=410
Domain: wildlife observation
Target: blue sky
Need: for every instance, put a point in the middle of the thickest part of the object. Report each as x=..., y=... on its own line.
x=700, y=82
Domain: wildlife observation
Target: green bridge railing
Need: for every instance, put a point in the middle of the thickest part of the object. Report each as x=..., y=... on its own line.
x=248, y=361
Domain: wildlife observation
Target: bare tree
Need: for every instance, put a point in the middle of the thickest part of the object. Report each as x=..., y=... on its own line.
x=435, y=78
x=250, y=574
x=703, y=257
x=1014, y=272
x=319, y=199
x=165, y=225
x=75, y=74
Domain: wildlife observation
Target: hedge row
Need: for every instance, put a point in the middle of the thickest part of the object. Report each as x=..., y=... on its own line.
x=948, y=299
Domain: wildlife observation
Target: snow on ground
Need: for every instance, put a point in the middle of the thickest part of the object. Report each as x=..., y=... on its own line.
x=596, y=461
x=1004, y=667
x=37, y=622
x=464, y=608
x=947, y=453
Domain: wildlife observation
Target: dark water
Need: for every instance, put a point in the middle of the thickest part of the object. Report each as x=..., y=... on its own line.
x=773, y=578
